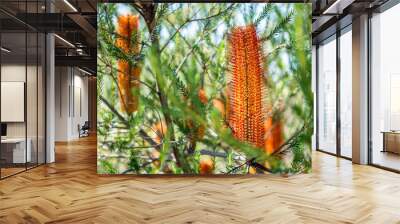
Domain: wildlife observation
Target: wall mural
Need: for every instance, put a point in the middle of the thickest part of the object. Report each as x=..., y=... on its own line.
x=191, y=88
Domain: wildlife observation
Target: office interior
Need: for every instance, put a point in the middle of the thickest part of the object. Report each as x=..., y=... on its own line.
x=40, y=71
x=48, y=97
x=337, y=66
x=53, y=65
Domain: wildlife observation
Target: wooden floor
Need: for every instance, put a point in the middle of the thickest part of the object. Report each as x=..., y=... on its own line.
x=70, y=191
x=5, y=172
x=386, y=159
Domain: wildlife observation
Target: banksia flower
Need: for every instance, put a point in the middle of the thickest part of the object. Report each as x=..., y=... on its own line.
x=206, y=166
x=273, y=135
x=219, y=105
x=246, y=113
x=128, y=74
x=202, y=96
x=227, y=103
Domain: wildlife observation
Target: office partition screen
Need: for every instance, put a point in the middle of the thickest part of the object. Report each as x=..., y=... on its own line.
x=22, y=77
x=327, y=95
x=345, y=93
x=204, y=88
x=385, y=89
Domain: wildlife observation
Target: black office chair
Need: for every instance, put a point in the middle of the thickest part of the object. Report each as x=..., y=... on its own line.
x=84, y=130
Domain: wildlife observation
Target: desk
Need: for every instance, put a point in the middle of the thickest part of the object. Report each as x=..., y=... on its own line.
x=391, y=141
x=15, y=148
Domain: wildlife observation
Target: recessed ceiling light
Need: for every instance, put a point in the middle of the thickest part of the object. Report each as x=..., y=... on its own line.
x=84, y=71
x=70, y=5
x=335, y=7
x=5, y=50
x=64, y=40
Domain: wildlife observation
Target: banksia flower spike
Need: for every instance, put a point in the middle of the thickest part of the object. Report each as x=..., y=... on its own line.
x=273, y=134
x=246, y=113
x=128, y=74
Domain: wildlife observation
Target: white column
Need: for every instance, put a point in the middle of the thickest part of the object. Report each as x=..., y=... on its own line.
x=360, y=90
x=50, y=100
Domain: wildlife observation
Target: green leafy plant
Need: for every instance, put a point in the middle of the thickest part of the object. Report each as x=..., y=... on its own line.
x=179, y=122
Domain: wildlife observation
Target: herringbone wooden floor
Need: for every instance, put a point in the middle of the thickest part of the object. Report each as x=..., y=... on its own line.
x=70, y=191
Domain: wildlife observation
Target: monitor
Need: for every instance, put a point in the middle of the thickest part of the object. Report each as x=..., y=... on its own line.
x=3, y=129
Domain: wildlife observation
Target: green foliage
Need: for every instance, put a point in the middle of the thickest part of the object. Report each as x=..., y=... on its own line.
x=265, y=14
x=184, y=50
x=106, y=167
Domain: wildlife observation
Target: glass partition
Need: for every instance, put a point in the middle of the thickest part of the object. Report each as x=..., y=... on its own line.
x=32, y=97
x=327, y=95
x=385, y=89
x=346, y=93
x=13, y=94
x=22, y=89
x=41, y=86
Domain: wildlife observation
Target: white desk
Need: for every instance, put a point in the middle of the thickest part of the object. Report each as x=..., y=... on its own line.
x=18, y=149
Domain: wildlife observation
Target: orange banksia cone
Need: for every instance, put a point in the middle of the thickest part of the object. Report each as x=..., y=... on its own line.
x=128, y=74
x=245, y=113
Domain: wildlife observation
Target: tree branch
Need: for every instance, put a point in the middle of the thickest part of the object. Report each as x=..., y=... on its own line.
x=211, y=153
x=221, y=12
x=281, y=148
x=195, y=20
x=121, y=118
x=142, y=133
x=111, y=67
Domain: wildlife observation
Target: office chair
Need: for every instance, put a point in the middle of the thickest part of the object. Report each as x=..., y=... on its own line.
x=84, y=130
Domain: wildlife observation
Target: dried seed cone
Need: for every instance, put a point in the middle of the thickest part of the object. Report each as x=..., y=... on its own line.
x=246, y=114
x=128, y=74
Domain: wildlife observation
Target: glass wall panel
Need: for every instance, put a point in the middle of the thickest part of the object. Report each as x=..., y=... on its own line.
x=346, y=93
x=34, y=49
x=41, y=98
x=13, y=115
x=32, y=96
x=327, y=96
x=314, y=86
x=385, y=89
x=41, y=89
x=22, y=88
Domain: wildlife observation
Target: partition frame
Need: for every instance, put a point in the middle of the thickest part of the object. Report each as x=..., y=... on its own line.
x=382, y=8
x=44, y=80
x=387, y=5
x=339, y=32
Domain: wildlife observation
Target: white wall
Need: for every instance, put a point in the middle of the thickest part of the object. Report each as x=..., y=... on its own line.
x=70, y=83
x=80, y=85
x=62, y=81
x=34, y=125
x=16, y=73
x=12, y=73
